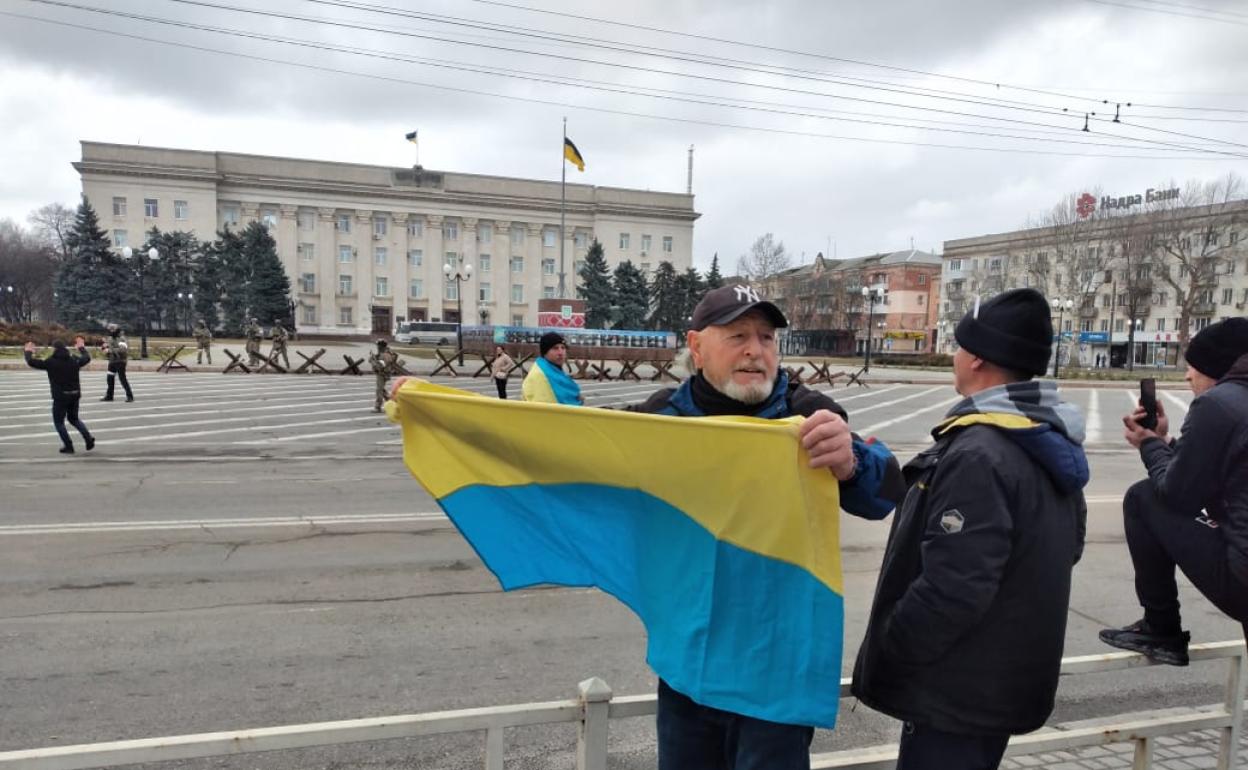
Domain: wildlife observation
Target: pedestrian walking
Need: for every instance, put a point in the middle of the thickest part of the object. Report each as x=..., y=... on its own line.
x=280, y=339
x=254, y=334
x=501, y=368
x=117, y=349
x=62, y=369
x=1191, y=512
x=964, y=640
x=203, y=342
x=734, y=348
x=383, y=363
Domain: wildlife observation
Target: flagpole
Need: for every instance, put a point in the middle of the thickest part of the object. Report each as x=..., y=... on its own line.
x=563, y=202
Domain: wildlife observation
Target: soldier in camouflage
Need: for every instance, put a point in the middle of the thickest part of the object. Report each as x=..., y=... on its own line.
x=203, y=342
x=280, y=338
x=117, y=349
x=383, y=363
x=254, y=334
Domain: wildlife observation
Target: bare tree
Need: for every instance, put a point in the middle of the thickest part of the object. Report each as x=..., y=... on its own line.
x=1133, y=260
x=27, y=270
x=765, y=258
x=52, y=224
x=1191, y=248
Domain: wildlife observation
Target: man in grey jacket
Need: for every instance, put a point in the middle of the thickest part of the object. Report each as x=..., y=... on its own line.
x=1192, y=510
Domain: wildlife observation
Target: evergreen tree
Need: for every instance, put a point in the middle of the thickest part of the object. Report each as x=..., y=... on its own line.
x=269, y=298
x=713, y=279
x=171, y=274
x=690, y=289
x=252, y=281
x=632, y=298
x=207, y=276
x=666, y=301
x=93, y=284
x=596, y=288
x=231, y=280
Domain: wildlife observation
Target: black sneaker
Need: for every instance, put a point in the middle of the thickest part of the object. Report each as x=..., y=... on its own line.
x=107, y=398
x=129, y=399
x=90, y=443
x=1140, y=637
x=67, y=450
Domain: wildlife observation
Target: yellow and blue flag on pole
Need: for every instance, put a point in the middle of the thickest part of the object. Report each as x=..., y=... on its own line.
x=572, y=154
x=714, y=531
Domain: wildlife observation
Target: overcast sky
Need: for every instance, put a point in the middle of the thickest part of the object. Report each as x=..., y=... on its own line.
x=767, y=158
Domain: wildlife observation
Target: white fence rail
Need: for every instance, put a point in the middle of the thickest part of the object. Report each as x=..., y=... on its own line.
x=595, y=707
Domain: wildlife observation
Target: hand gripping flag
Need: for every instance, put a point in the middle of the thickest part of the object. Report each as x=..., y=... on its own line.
x=713, y=530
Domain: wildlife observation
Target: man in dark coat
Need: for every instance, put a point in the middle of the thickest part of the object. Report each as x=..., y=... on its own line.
x=734, y=349
x=62, y=369
x=1192, y=510
x=964, y=641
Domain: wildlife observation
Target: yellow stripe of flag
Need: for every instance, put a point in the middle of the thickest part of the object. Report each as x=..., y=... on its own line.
x=574, y=155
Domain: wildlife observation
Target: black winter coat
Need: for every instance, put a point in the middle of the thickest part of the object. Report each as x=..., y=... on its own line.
x=969, y=618
x=62, y=369
x=1207, y=469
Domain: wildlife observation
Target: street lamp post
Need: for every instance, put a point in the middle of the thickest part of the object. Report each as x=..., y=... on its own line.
x=460, y=275
x=190, y=306
x=1133, y=325
x=152, y=256
x=9, y=312
x=869, y=296
x=1061, y=306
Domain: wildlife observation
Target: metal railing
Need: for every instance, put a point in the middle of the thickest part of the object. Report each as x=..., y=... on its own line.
x=594, y=708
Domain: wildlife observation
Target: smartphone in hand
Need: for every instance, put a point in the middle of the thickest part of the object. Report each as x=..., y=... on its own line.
x=1148, y=400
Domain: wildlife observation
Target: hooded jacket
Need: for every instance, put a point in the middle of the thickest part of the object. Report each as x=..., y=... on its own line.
x=1207, y=469
x=969, y=618
x=62, y=369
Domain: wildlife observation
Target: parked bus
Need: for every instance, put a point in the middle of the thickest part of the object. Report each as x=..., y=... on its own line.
x=426, y=333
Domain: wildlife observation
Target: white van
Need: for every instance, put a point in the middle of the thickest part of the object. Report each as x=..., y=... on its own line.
x=426, y=333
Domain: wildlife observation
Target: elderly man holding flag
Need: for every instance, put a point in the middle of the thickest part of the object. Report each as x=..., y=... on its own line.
x=712, y=511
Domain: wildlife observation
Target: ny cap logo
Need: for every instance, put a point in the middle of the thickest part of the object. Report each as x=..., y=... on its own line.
x=746, y=294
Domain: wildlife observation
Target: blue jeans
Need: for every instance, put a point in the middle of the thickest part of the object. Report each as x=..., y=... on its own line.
x=696, y=737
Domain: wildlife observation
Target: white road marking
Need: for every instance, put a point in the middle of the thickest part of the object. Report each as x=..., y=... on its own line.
x=940, y=405
x=68, y=528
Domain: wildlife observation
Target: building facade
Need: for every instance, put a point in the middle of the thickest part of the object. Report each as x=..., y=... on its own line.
x=1122, y=284
x=364, y=246
x=898, y=315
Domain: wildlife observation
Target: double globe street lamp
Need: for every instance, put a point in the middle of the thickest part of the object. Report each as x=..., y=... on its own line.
x=459, y=276
x=1062, y=306
x=152, y=255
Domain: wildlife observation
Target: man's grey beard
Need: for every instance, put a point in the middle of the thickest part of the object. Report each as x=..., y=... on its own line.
x=746, y=394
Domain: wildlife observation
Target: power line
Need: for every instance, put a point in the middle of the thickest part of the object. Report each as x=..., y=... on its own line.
x=581, y=107
x=685, y=97
x=705, y=100
x=582, y=60
x=1194, y=8
x=1170, y=13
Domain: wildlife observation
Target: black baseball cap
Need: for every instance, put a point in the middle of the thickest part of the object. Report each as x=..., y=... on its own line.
x=728, y=303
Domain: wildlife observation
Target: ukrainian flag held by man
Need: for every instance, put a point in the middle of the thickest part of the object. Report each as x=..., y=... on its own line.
x=714, y=531
x=572, y=154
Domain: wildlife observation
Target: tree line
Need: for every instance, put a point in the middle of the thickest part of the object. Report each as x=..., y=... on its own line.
x=68, y=269
x=626, y=299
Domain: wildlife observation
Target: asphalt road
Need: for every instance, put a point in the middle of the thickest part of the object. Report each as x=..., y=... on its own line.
x=250, y=551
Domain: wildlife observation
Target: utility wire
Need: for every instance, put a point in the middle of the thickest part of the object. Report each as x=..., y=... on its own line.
x=685, y=97
x=581, y=107
x=1088, y=116
x=1171, y=12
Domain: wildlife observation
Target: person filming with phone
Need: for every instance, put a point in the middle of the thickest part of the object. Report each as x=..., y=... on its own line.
x=1192, y=510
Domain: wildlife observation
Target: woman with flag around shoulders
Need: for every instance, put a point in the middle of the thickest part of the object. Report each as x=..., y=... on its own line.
x=548, y=382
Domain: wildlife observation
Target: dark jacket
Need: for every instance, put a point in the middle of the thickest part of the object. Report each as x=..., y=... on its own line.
x=969, y=617
x=1207, y=469
x=62, y=369
x=877, y=486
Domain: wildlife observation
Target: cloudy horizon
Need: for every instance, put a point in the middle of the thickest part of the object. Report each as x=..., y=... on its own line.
x=831, y=153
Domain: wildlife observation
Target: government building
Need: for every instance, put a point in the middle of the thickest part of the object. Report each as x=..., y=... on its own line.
x=364, y=246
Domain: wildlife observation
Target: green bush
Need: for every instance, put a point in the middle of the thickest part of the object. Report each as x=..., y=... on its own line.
x=44, y=335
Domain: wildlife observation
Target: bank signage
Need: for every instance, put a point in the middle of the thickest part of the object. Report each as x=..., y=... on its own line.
x=1086, y=204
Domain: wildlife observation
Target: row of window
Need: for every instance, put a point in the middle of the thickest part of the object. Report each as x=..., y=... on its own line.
x=416, y=288
x=151, y=208
x=626, y=240
x=416, y=258
x=346, y=316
